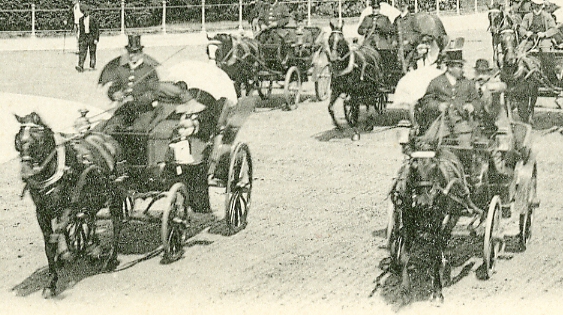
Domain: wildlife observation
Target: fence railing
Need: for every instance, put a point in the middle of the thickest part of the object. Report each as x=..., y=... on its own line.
x=162, y=17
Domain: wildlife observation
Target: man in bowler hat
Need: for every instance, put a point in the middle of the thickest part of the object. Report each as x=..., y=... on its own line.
x=87, y=39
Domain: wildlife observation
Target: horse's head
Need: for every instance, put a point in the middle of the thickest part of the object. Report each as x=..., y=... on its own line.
x=34, y=142
x=424, y=179
x=219, y=48
x=497, y=20
x=508, y=43
x=337, y=44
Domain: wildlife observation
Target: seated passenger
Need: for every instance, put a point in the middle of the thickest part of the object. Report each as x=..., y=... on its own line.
x=538, y=23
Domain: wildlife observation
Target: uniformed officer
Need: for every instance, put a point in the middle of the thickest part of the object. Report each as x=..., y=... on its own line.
x=134, y=84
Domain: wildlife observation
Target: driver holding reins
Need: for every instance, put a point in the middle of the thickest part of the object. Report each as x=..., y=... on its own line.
x=539, y=23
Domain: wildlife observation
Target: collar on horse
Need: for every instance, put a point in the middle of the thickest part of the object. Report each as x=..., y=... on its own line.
x=59, y=151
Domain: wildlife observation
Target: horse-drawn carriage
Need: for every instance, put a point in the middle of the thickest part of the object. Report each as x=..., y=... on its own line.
x=290, y=55
x=366, y=75
x=155, y=159
x=440, y=183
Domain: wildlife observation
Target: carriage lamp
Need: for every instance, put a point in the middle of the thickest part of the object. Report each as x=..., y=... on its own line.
x=82, y=124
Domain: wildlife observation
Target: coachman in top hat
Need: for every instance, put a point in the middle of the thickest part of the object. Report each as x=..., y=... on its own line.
x=134, y=83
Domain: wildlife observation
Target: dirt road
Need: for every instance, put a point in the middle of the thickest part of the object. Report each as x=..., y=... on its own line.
x=315, y=235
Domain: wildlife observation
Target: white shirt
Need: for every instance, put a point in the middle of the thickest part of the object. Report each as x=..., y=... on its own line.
x=77, y=12
x=87, y=25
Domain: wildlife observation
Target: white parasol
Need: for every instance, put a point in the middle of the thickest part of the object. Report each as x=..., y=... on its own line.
x=202, y=75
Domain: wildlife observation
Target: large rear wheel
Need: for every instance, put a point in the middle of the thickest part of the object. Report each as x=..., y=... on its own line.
x=239, y=188
x=527, y=216
x=493, y=236
x=174, y=222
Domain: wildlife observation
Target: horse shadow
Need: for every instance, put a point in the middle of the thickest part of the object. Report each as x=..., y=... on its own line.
x=547, y=119
x=368, y=124
x=136, y=238
x=464, y=256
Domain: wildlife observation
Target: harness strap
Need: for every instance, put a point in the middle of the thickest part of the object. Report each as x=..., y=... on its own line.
x=60, y=152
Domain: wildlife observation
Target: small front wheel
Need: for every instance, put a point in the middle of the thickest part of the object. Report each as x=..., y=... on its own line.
x=292, y=88
x=175, y=222
x=239, y=188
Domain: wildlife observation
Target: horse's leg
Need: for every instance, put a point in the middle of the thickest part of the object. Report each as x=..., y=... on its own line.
x=116, y=219
x=439, y=276
x=405, y=288
x=334, y=95
x=532, y=102
x=44, y=221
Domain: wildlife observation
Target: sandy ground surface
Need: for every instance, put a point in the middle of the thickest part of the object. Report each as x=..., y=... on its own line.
x=316, y=228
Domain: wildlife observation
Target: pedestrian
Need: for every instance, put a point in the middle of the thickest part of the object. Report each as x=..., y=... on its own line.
x=88, y=39
x=76, y=15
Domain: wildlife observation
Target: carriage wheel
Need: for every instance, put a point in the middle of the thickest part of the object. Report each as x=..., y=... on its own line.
x=79, y=233
x=174, y=222
x=127, y=207
x=526, y=219
x=381, y=104
x=394, y=239
x=493, y=238
x=292, y=88
x=265, y=88
x=351, y=112
x=322, y=85
x=239, y=188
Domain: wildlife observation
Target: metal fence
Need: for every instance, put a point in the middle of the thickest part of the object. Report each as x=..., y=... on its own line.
x=165, y=18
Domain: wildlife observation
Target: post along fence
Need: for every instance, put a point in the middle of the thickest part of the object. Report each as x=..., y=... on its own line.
x=124, y=16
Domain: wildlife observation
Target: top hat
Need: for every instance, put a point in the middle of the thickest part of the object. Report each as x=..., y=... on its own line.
x=134, y=44
x=453, y=53
x=482, y=66
x=538, y=1
x=375, y=5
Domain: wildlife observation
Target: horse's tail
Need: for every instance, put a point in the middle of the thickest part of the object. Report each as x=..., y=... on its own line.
x=100, y=149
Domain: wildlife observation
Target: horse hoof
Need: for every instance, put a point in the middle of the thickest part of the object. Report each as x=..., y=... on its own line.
x=48, y=293
x=66, y=256
x=110, y=265
x=356, y=137
x=437, y=298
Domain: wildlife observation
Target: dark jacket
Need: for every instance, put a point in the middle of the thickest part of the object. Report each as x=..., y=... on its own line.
x=440, y=90
x=94, y=28
x=280, y=14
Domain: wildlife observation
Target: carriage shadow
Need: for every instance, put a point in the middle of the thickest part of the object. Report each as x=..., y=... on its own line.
x=277, y=102
x=380, y=123
x=464, y=257
x=137, y=238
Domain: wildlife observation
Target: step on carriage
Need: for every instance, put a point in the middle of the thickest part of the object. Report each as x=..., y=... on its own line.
x=491, y=202
x=154, y=173
x=290, y=55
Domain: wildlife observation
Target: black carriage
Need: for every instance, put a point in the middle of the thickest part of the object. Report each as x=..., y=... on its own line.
x=152, y=170
x=291, y=55
x=492, y=202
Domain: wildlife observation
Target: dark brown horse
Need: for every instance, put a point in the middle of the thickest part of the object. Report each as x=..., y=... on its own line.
x=424, y=214
x=522, y=74
x=69, y=182
x=501, y=21
x=237, y=57
x=357, y=76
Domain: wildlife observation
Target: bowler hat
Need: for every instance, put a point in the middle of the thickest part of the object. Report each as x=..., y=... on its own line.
x=134, y=44
x=482, y=66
